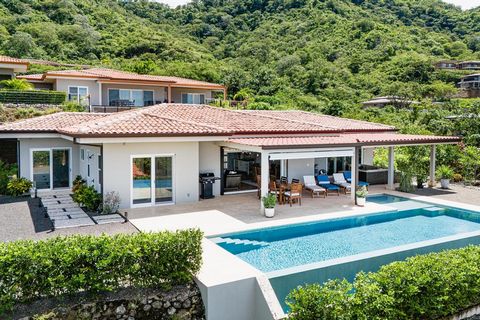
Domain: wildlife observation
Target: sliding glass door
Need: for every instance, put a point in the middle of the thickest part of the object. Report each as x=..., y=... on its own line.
x=41, y=168
x=51, y=168
x=152, y=180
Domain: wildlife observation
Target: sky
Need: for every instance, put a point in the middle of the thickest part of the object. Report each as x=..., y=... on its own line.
x=465, y=4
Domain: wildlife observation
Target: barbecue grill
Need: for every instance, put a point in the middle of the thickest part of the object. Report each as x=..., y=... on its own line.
x=207, y=180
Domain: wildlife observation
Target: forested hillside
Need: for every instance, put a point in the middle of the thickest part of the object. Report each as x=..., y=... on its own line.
x=324, y=56
x=320, y=54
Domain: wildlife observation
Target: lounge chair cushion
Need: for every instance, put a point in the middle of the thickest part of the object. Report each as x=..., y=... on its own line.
x=314, y=188
x=288, y=194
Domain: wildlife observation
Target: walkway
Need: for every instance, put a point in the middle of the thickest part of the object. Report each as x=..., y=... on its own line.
x=65, y=213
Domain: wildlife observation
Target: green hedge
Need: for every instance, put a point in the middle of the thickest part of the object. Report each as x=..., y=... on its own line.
x=422, y=287
x=32, y=96
x=66, y=265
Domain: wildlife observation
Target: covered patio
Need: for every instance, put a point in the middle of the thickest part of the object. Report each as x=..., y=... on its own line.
x=327, y=146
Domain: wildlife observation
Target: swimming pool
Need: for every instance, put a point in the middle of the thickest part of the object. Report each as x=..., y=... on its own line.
x=296, y=254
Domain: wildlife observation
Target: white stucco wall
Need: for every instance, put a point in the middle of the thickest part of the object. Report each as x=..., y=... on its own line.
x=367, y=156
x=27, y=144
x=209, y=161
x=297, y=168
x=92, y=85
x=117, y=168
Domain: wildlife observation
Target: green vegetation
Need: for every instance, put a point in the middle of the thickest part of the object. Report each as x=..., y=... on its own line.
x=67, y=265
x=18, y=186
x=32, y=96
x=86, y=196
x=428, y=286
x=16, y=84
x=6, y=171
x=323, y=56
x=444, y=172
x=269, y=201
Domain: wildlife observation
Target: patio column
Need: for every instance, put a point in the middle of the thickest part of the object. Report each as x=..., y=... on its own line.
x=100, y=102
x=225, y=94
x=354, y=182
x=391, y=168
x=432, y=182
x=265, y=172
x=169, y=94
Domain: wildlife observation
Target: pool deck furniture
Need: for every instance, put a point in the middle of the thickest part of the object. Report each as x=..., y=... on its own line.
x=295, y=193
x=277, y=191
x=348, y=176
x=312, y=187
x=339, y=180
x=324, y=181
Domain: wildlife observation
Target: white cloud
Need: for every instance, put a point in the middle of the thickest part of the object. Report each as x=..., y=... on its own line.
x=465, y=4
x=174, y=3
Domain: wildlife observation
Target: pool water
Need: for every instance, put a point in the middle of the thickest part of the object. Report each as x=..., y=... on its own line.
x=288, y=246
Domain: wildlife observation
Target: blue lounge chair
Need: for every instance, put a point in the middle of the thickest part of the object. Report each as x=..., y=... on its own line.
x=348, y=177
x=324, y=181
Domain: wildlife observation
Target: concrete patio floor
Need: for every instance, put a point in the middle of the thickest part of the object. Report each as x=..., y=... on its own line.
x=22, y=218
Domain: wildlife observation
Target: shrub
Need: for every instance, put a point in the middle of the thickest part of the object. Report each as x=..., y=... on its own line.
x=6, y=171
x=422, y=287
x=362, y=192
x=73, y=107
x=87, y=197
x=259, y=106
x=457, y=177
x=18, y=186
x=66, y=265
x=111, y=202
x=269, y=201
x=16, y=84
x=406, y=182
x=77, y=183
x=445, y=172
x=32, y=96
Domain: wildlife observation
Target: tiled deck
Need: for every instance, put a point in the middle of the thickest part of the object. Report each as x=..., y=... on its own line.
x=237, y=212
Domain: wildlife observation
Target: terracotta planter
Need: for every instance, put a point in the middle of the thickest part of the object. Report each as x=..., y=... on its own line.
x=269, y=212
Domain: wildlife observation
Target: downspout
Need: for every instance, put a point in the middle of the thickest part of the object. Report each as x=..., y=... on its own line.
x=222, y=172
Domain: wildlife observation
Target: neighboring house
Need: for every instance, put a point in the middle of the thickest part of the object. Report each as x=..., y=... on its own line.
x=469, y=65
x=470, y=85
x=154, y=155
x=112, y=88
x=446, y=64
x=381, y=102
x=461, y=65
x=10, y=66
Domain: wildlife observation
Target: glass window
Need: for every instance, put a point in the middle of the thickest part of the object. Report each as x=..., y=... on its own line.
x=61, y=168
x=125, y=95
x=142, y=180
x=78, y=94
x=137, y=98
x=41, y=169
x=113, y=96
x=195, y=98
x=163, y=179
x=82, y=154
x=148, y=98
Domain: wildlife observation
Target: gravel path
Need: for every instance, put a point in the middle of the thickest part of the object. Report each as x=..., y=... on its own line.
x=22, y=218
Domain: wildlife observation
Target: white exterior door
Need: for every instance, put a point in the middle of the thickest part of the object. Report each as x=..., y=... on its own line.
x=90, y=167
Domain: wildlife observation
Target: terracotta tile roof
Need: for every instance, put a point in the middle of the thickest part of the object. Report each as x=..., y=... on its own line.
x=142, y=122
x=184, y=120
x=50, y=123
x=5, y=59
x=324, y=120
x=38, y=76
x=378, y=139
x=110, y=74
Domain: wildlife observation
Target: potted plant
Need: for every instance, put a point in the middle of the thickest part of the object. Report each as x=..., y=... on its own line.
x=269, y=203
x=445, y=173
x=361, y=195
